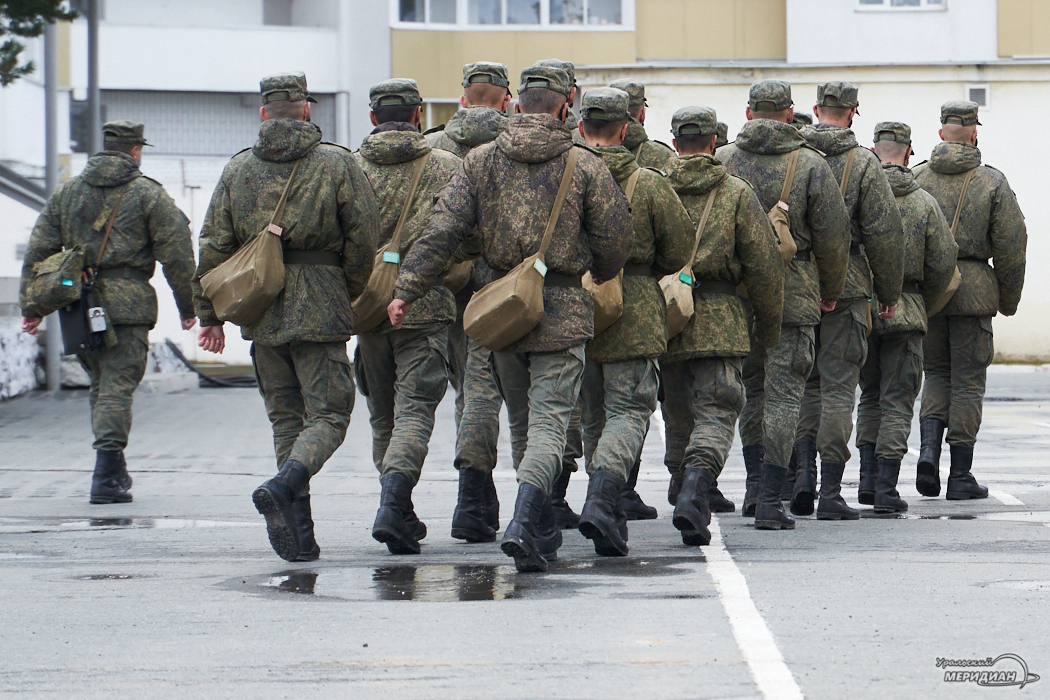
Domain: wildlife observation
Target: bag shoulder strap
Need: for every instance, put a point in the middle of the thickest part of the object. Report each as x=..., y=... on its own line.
x=109, y=228
x=962, y=200
x=848, y=170
x=274, y=227
x=789, y=179
x=703, y=223
x=632, y=183
x=417, y=175
x=559, y=201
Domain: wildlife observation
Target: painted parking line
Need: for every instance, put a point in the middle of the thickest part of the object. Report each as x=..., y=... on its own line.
x=913, y=452
x=756, y=642
x=1005, y=498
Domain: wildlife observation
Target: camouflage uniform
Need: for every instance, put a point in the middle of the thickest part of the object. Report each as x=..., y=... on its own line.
x=958, y=347
x=148, y=228
x=723, y=135
x=572, y=123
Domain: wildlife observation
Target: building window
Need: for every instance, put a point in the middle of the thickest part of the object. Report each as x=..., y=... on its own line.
x=435, y=11
x=585, y=12
x=277, y=13
x=901, y=4
x=981, y=94
x=519, y=14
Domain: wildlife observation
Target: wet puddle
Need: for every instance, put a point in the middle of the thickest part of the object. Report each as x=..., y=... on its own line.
x=1038, y=517
x=34, y=525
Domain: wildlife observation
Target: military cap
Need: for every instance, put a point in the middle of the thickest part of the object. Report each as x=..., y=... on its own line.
x=485, y=72
x=125, y=131
x=893, y=131
x=723, y=135
x=284, y=86
x=568, y=66
x=548, y=77
x=605, y=104
x=837, y=94
x=634, y=89
x=769, y=96
x=959, y=112
x=802, y=119
x=394, y=93
x=696, y=121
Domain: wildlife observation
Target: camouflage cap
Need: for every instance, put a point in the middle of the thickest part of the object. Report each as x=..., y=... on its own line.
x=769, y=96
x=485, y=72
x=125, y=131
x=284, y=86
x=605, y=104
x=548, y=77
x=394, y=93
x=634, y=89
x=837, y=94
x=959, y=112
x=695, y=121
x=893, y=131
x=568, y=66
x=723, y=135
x=802, y=119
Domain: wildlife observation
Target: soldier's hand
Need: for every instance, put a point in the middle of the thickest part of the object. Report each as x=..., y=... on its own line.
x=397, y=310
x=188, y=323
x=827, y=306
x=212, y=339
x=887, y=312
x=31, y=326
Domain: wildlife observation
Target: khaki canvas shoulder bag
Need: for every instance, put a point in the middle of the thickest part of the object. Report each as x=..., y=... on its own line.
x=370, y=307
x=778, y=215
x=608, y=296
x=678, y=287
x=507, y=310
x=953, y=286
x=242, y=288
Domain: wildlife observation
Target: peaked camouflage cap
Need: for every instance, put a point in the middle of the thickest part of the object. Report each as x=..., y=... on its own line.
x=802, y=119
x=486, y=72
x=125, y=131
x=769, y=96
x=548, y=77
x=568, y=66
x=723, y=135
x=893, y=131
x=838, y=94
x=605, y=104
x=394, y=93
x=284, y=86
x=694, y=121
x=633, y=88
x=960, y=112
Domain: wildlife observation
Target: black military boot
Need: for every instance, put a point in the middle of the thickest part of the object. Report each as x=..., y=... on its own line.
x=567, y=519
x=124, y=478
x=692, y=515
x=522, y=539
x=274, y=501
x=869, y=474
x=674, y=487
x=789, y=480
x=603, y=518
x=717, y=502
x=928, y=471
x=392, y=525
x=106, y=482
x=805, y=492
x=468, y=519
x=417, y=526
x=831, y=506
x=886, y=499
x=633, y=504
x=550, y=538
x=961, y=484
x=491, y=503
x=769, y=512
x=753, y=456
x=304, y=523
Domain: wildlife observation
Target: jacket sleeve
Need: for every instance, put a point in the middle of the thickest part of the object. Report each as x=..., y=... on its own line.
x=881, y=232
x=44, y=241
x=359, y=223
x=828, y=222
x=607, y=221
x=673, y=230
x=170, y=236
x=217, y=243
x=1009, y=239
x=941, y=252
x=756, y=246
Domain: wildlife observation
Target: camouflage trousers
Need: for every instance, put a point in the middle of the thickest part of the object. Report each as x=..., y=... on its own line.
x=478, y=431
x=541, y=390
x=115, y=373
x=827, y=406
x=616, y=401
x=702, y=400
x=457, y=357
x=308, y=390
x=774, y=381
x=403, y=374
x=889, y=383
x=957, y=351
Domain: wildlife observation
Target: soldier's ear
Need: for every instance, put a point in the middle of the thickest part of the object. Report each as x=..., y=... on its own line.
x=623, y=132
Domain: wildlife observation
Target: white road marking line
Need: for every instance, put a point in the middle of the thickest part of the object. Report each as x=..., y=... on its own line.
x=1041, y=425
x=913, y=452
x=1005, y=498
x=756, y=642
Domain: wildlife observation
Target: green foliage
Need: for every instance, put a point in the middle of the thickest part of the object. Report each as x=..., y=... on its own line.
x=24, y=18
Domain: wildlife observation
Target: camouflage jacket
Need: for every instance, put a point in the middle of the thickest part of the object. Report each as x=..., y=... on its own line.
x=663, y=240
x=148, y=228
x=819, y=220
x=467, y=129
x=873, y=215
x=929, y=254
x=330, y=207
x=388, y=158
x=506, y=190
x=649, y=154
x=738, y=246
x=991, y=227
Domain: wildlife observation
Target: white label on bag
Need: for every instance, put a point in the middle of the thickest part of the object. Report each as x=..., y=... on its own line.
x=275, y=229
x=540, y=267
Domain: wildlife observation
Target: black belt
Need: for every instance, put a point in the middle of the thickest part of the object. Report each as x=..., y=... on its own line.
x=802, y=255
x=123, y=273
x=312, y=257
x=911, y=288
x=715, y=287
x=637, y=270
x=551, y=279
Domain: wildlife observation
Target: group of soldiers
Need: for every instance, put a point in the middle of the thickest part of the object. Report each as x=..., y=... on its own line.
x=812, y=260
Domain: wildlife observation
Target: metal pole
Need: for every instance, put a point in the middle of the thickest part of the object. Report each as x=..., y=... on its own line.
x=94, y=104
x=53, y=357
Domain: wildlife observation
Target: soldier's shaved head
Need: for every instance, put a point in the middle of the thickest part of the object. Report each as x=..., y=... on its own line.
x=958, y=132
x=486, y=95
x=838, y=116
x=693, y=144
x=541, y=101
x=892, y=152
x=784, y=115
x=287, y=109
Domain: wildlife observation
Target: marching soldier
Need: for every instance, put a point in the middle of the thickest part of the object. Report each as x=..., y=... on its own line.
x=648, y=154
x=722, y=138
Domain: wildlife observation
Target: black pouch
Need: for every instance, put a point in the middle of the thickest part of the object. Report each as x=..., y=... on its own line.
x=84, y=324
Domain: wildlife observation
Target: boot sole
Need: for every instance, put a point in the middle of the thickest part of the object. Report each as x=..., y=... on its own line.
x=802, y=503
x=773, y=525
x=395, y=541
x=722, y=509
x=927, y=480
x=472, y=536
x=866, y=498
x=313, y=555
x=964, y=496
x=696, y=538
x=280, y=526
x=886, y=510
x=524, y=561
x=109, y=500
x=647, y=515
x=603, y=545
x=837, y=516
